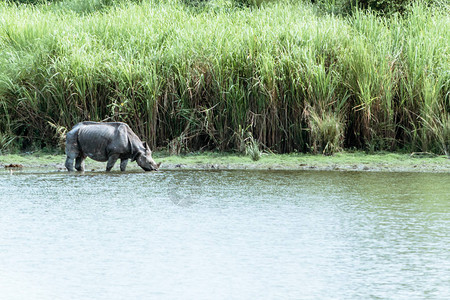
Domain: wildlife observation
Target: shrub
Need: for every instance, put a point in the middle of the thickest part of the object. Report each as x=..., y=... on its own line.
x=252, y=148
x=384, y=6
x=381, y=6
x=326, y=130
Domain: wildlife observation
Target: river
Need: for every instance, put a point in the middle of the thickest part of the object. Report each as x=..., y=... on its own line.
x=224, y=235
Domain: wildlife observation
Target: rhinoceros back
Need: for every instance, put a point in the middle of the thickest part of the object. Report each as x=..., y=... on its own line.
x=98, y=140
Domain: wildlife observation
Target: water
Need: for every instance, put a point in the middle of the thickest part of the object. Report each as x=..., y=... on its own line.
x=225, y=235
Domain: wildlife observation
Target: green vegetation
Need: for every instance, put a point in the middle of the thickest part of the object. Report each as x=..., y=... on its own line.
x=189, y=77
x=385, y=7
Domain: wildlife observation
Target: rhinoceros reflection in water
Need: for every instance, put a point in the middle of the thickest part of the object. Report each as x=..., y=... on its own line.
x=107, y=142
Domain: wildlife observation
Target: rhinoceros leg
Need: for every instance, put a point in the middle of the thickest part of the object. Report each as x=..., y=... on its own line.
x=69, y=163
x=123, y=165
x=72, y=148
x=111, y=161
x=79, y=163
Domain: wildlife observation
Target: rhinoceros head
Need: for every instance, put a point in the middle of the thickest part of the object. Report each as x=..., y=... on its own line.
x=145, y=160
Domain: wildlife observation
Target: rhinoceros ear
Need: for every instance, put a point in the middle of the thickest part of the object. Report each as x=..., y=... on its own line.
x=147, y=148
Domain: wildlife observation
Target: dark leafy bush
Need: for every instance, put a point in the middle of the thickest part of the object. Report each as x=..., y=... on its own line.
x=385, y=7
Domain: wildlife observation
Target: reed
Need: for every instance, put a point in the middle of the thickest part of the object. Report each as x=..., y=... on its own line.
x=326, y=130
x=193, y=76
x=252, y=148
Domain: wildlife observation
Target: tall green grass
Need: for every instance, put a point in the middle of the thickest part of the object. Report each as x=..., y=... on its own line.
x=193, y=76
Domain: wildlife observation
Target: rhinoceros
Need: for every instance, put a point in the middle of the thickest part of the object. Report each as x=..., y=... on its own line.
x=106, y=141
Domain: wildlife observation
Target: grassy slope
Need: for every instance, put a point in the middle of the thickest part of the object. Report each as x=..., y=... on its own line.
x=357, y=161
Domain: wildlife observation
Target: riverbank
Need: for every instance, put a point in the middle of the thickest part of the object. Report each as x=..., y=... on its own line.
x=345, y=161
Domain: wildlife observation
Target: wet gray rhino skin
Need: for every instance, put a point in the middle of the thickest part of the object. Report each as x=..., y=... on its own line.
x=106, y=141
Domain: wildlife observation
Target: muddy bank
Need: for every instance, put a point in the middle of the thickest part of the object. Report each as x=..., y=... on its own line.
x=356, y=161
x=312, y=167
